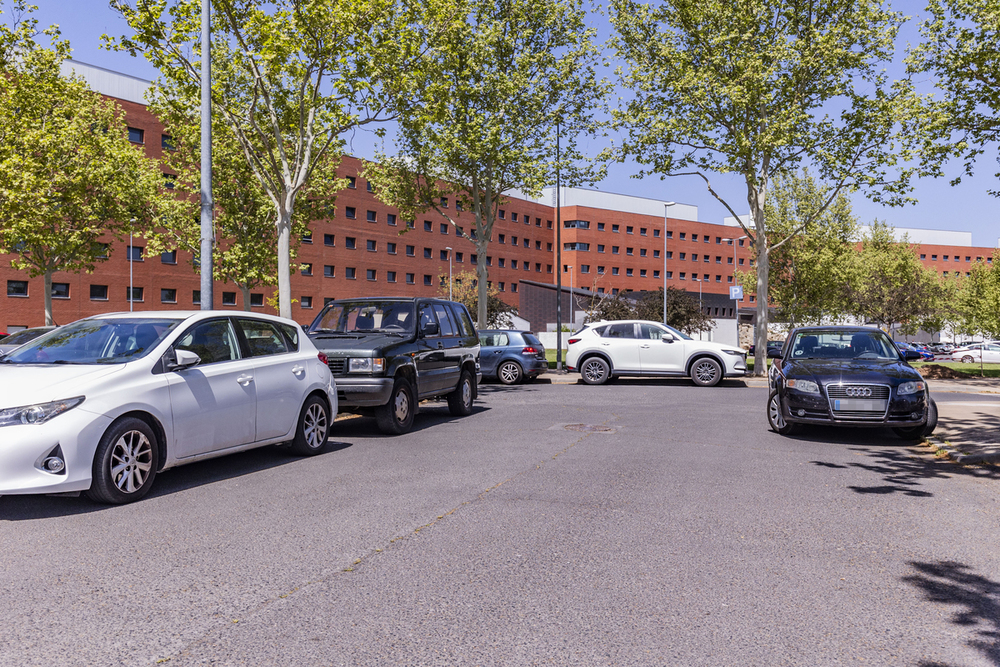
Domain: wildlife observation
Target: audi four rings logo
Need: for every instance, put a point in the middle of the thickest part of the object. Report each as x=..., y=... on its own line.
x=859, y=392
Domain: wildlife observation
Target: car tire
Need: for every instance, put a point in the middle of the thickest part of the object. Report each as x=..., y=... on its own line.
x=125, y=463
x=396, y=416
x=509, y=372
x=932, y=418
x=967, y=360
x=313, y=427
x=595, y=371
x=460, y=400
x=775, y=418
x=706, y=372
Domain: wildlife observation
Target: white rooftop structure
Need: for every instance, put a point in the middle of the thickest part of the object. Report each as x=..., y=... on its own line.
x=913, y=235
x=615, y=202
x=108, y=82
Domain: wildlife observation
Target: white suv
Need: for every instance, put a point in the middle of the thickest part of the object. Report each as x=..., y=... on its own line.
x=603, y=350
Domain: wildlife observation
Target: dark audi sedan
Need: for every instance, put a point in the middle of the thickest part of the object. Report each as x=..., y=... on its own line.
x=847, y=376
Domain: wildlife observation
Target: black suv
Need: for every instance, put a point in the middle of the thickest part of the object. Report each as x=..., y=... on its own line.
x=387, y=354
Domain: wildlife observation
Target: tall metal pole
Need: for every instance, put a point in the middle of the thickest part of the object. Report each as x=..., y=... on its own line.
x=207, y=232
x=666, y=205
x=131, y=288
x=449, y=273
x=559, y=365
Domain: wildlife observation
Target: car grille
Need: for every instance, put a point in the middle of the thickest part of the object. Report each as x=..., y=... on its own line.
x=337, y=365
x=858, y=401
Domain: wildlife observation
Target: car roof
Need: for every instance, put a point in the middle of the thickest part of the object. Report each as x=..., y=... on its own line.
x=188, y=314
x=836, y=327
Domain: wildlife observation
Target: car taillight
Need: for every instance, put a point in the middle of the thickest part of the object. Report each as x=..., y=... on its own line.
x=323, y=358
x=529, y=350
x=572, y=340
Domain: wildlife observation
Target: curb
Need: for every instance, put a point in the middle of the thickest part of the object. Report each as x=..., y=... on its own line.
x=958, y=457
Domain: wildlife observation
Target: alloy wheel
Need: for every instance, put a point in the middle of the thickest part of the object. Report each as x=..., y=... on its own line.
x=131, y=461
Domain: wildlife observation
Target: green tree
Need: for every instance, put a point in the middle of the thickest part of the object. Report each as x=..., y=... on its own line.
x=288, y=81
x=610, y=307
x=683, y=311
x=961, y=48
x=501, y=76
x=465, y=290
x=807, y=271
x=888, y=285
x=70, y=180
x=760, y=88
x=979, y=299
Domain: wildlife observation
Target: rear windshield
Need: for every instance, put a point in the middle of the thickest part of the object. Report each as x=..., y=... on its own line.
x=95, y=341
x=533, y=341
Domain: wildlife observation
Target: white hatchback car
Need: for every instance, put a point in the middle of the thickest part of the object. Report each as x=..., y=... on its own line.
x=603, y=350
x=103, y=404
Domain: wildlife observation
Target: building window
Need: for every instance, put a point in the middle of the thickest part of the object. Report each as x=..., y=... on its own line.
x=166, y=142
x=372, y=245
x=628, y=272
x=256, y=300
x=741, y=242
x=390, y=276
x=513, y=287
x=548, y=268
x=60, y=290
x=168, y=295
x=196, y=296
x=502, y=262
x=411, y=224
x=600, y=247
x=427, y=253
x=409, y=278
x=98, y=292
x=502, y=287
x=538, y=267
x=372, y=216
x=694, y=257
x=17, y=288
x=513, y=240
x=741, y=261
x=372, y=274
x=729, y=279
x=642, y=252
x=410, y=251
x=307, y=269
x=628, y=251
x=329, y=271
x=642, y=273
x=642, y=231
x=168, y=257
x=427, y=279
x=229, y=298
x=615, y=228
x=307, y=302
x=670, y=275
x=576, y=224
x=548, y=224
x=513, y=263
x=670, y=234
x=134, y=253
x=583, y=247
x=444, y=255
x=513, y=217
x=614, y=250
x=615, y=271
x=390, y=248
x=428, y=226
x=656, y=253
x=656, y=274
x=350, y=212
x=459, y=257
x=444, y=202
x=694, y=237
x=352, y=182
x=169, y=181
x=136, y=136
x=718, y=279
x=443, y=228
x=350, y=242
x=352, y=273
x=503, y=214
x=585, y=268
x=600, y=270
x=390, y=219
x=683, y=255
x=133, y=294
x=629, y=230
x=600, y=226
x=329, y=239
x=368, y=186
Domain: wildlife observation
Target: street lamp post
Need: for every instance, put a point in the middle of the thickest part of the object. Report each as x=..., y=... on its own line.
x=666, y=205
x=572, y=300
x=448, y=248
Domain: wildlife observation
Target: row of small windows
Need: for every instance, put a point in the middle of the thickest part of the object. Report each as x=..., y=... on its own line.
x=616, y=250
x=330, y=270
x=643, y=231
x=134, y=294
x=957, y=258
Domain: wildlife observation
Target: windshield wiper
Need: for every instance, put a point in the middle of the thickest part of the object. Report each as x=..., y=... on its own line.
x=334, y=334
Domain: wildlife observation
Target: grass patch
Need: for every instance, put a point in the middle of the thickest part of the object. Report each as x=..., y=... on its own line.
x=989, y=370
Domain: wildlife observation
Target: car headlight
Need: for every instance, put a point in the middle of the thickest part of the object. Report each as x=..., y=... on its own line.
x=366, y=365
x=735, y=353
x=910, y=388
x=807, y=386
x=38, y=413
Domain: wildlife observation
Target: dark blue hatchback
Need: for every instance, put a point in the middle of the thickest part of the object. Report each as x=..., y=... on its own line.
x=511, y=356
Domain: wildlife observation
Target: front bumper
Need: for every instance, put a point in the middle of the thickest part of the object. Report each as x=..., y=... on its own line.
x=24, y=447
x=363, y=392
x=816, y=410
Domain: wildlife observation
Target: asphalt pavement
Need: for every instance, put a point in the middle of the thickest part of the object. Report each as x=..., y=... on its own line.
x=640, y=523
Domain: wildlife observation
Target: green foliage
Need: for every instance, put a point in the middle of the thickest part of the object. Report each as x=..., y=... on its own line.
x=961, y=46
x=761, y=88
x=70, y=180
x=978, y=299
x=466, y=291
x=806, y=272
x=683, y=311
x=499, y=77
x=288, y=81
x=888, y=285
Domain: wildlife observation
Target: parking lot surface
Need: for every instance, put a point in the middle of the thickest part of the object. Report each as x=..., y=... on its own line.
x=639, y=523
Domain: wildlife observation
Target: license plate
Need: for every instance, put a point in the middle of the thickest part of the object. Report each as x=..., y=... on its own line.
x=859, y=405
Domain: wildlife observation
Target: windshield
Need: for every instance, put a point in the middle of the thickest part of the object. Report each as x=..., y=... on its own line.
x=94, y=341
x=843, y=345
x=350, y=317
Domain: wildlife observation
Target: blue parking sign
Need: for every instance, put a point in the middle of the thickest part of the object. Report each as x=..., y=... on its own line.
x=736, y=292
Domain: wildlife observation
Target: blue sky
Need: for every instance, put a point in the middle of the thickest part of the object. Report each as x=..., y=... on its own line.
x=966, y=207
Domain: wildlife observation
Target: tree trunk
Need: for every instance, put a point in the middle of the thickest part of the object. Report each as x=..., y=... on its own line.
x=482, y=290
x=48, y=298
x=755, y=197
x=284, y=264
x=246, y=297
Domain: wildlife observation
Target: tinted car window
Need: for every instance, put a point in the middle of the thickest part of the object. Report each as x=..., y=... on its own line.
x=463, y=319
x=426, y=316
x=263, y=337
x=532, y=340
x=621, y=330
x=493, y=340
x=448, y=327
x=651, y=332
x=213, y=341
x=292, y=334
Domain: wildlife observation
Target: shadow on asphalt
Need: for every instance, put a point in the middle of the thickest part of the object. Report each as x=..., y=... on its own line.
x=19, y=508
x=976, y=598
x=979, y=427
x=360, y=427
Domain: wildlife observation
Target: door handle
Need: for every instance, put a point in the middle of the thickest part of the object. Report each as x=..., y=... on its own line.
x=645, y=347
x=440, y=345
x=296, y=369
x=498, y=352
x=245, y=379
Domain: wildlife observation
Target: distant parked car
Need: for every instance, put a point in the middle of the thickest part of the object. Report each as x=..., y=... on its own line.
x=511, y=356
x=924, y=354
x=603, y=350
x=19, y=338
x=970, y=354
x=771, y=345
x=104, y=404
x=848, y=376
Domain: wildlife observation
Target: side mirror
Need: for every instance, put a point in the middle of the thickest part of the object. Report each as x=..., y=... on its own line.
x=911, y=355
x=668, y=338
x=429, y=329
x=178, y=360
x=774, y=354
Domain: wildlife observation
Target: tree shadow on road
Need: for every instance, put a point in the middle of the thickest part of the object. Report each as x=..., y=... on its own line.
x=976, y=597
